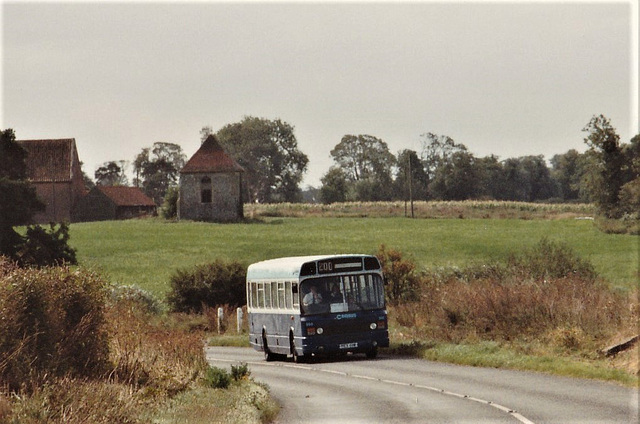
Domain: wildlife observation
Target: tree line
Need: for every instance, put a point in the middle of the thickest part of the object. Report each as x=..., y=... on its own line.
x=364, y=169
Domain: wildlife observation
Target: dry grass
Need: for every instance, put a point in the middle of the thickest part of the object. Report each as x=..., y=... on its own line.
x=545, y=303
x=421, y=209
x=151, y=361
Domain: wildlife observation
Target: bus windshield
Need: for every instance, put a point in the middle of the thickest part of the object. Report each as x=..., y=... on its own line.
x=361, y=292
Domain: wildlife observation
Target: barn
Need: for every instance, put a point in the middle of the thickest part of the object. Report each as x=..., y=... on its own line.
x=114, y=202
x=210, y=185
x=53, y=168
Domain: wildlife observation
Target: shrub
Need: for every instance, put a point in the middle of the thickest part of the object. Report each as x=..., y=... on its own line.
x=41, y=248
x=400, y=274
x=548, y=259
x=153, y=352
x=52, y=324
x=240, y=372
x=137, y=298
x=218, y=283
x=546, y=292
x=169, y=209
x=217, y=378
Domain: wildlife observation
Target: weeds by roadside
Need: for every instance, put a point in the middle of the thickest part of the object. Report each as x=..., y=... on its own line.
x=544, y=302
x=147, y=362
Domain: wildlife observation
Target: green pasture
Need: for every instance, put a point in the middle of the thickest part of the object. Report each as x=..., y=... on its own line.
x=146, y=252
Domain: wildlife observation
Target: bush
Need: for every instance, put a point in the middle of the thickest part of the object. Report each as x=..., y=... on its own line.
x=138, y=299
x=240, y=372
x=400, y=274
x=53, y=324
x=546, y=292
x=549, y=259
x=218, y=283
x=41, y=248
x=217, y=378
x=169, y=209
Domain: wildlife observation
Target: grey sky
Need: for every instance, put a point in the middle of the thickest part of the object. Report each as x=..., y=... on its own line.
x=509, y=79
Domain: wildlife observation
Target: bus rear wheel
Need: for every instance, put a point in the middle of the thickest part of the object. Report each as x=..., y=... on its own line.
x=268, y=355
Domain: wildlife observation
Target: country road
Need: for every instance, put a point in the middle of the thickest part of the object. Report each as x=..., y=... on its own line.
x=402, y=390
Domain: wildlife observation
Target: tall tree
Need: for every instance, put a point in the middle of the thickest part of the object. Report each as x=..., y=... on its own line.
x=18, y=199
x=268, y=151
x=539, y=184
x=456, y=178
x=157, y=168
x=607, y=176
x=367, y=164
x=111, y=174
x=438, y=150
x=491, y=178
x=334, y=186
x=411, y=177
x=364, y=157
x=566, y=171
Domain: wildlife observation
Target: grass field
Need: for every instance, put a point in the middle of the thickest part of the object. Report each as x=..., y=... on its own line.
x=146, y=252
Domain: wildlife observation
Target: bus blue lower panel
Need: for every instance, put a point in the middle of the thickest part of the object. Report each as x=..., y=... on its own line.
x=343, y=343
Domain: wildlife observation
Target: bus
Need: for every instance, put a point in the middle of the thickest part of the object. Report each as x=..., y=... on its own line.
x=310, y=306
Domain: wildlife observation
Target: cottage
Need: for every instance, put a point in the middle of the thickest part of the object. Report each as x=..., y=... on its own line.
x=54, y=170
x=114, y=202
x=210, y=185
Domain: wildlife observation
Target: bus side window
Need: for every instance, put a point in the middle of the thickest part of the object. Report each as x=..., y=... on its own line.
x=267, y=295
x=281, y=296
x=274, y=295
x=260, y=295
x=254, y=295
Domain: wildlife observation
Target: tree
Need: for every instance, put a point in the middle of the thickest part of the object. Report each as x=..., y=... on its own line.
x=607, y=176
x=566, y=171
x=18, y=199
x=111, y=174
x=438, y=150
x=456, y=178
x=539, y=185
x=491, y=178
x=411, y=177
x=334, y=186
x=367, y=163
x=268, y=151
x=158, y=168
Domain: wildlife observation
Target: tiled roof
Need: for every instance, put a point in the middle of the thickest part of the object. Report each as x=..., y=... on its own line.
x=211, y=157
x=49, y=160
x=126, y=196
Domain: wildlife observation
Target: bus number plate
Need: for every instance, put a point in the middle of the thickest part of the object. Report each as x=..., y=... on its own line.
x=348, y=345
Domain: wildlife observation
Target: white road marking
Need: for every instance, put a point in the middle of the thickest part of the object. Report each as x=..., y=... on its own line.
x=502, y=408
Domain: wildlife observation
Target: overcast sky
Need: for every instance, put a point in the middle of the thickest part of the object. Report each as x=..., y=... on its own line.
x=510, y=79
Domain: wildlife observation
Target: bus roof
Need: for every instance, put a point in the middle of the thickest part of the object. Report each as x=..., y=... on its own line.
x=288, y=267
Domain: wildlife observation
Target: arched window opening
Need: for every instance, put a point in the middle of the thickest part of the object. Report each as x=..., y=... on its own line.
x=205, y=190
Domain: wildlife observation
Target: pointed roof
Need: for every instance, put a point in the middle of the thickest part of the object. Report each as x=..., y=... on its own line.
x=211, y=157
x=50, y=160
x=126, y=196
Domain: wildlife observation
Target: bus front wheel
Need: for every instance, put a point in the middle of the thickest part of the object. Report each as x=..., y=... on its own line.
x=296, y=358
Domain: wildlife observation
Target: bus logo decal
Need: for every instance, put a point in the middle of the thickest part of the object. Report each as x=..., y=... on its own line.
x=345, y=316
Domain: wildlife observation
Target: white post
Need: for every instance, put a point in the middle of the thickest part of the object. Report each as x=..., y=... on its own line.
x=239, y=320
x=220, y=318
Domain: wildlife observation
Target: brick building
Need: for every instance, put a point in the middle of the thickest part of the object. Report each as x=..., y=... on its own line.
x=54, y=170
x=210, y=185
x=114, y=202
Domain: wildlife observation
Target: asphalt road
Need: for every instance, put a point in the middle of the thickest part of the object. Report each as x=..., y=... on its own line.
x=392, y=389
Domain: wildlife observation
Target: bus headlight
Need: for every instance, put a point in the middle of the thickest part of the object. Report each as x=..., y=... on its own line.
x=373, y=326
x=319, y=330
